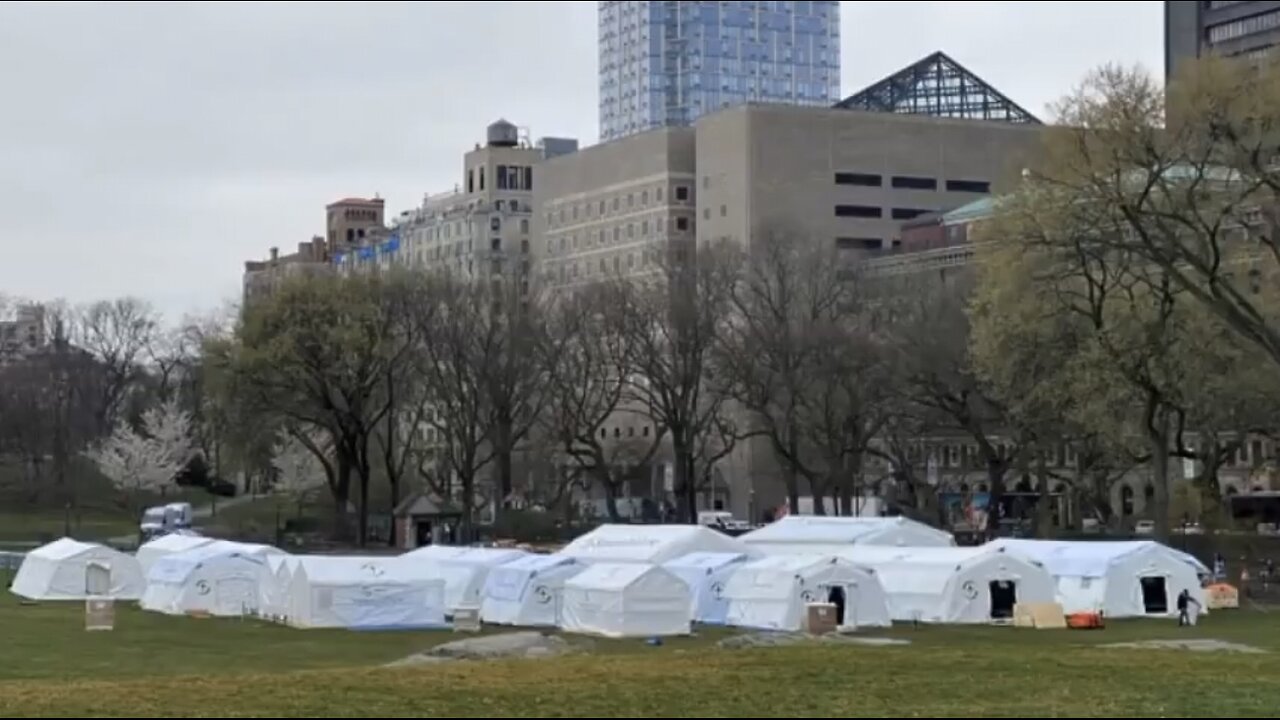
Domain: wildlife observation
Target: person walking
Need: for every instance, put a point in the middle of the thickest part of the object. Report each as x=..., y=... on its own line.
x=1188, y=609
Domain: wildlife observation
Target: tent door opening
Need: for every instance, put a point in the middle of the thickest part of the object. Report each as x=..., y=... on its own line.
x=837, y=595
x=235, y=595
x=1155, y=596
x=97, y=579
x=1004, y=595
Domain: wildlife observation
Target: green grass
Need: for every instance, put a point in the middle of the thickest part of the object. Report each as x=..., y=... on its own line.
x=153, y=665
x=37, y=526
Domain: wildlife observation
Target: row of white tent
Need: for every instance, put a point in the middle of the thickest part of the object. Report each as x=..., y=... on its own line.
x=624, y=580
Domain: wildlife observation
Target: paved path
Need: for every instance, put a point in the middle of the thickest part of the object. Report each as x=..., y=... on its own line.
x=203, y=512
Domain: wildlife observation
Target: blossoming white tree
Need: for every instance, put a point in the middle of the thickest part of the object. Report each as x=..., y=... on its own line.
x=146, y=459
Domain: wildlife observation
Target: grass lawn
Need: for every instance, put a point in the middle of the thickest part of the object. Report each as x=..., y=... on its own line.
x=160, y=666
x=38, y=526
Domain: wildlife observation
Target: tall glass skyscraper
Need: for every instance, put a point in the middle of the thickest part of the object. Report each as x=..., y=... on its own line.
x=666, y=63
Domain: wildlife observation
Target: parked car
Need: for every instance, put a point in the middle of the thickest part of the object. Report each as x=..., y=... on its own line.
x=1144, y=527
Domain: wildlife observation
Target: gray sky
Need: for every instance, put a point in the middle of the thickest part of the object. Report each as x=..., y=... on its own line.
x=150, y=149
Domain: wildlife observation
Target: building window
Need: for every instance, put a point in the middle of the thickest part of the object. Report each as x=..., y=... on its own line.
x=644, y=198
x=644, y=228
x=631, y=260
x=471, y=180
x=602, y=266
x=631, y=200
x=1244, y=26
x=914, y=183
x=682, y=193
x=859, y=243
x=860, y=179
x=969, y=186
x=682, y=224
x=524, y=226
x=858, y=211
x=617, y=235
x=496, y=245
x=631, y=231
x=601, y=208
x=482, y=177
x=524, y=246
x=908, y=213
x=724, y=211
x=657, y=194
x=617, y=263
x=495, y=223
x=645, y=431
x=575, y=212
x=615, y=204
x=706, y=213
x=497, y=205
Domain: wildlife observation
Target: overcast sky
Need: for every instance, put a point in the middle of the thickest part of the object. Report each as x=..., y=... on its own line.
x=150, y=149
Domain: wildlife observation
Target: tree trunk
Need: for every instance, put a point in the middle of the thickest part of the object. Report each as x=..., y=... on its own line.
x=504, y=443
x=611, y=500
x=686, y=500
x=818, y=493
x=996, y=469
x=792, y=482
x=1158, y=439
x=364, y=472
x=1044, y=512
x=466, y=533
x=341, y=490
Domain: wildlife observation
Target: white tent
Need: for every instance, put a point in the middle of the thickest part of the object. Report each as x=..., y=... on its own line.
x=168, y=545
x=706, y=575
x=772, y=593
x=217, y=579
x=69, y=570
x=274, y=592
x=463, y=570
x=626, y=600
x=655, y=544
x=528, y=591
x=954, y=585
x=362, y=592
x=1118, y=579
x=797, y=530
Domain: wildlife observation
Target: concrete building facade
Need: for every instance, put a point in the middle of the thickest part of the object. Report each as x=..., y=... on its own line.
x=665, y=64
x=1192, y=28
x=611, y=209
x=832, y=176
x=263, y=277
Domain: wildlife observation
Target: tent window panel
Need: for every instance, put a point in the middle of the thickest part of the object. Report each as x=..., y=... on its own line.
x=324, y=598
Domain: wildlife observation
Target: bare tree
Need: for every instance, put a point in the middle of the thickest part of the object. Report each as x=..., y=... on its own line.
x=670, y=324
x=589, y=375
x=478, y=400
x=924, y=325
x=117, y=334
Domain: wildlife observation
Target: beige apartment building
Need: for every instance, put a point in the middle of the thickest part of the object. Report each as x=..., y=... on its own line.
x=263, y=277
x=841, y=177
x=610, y=209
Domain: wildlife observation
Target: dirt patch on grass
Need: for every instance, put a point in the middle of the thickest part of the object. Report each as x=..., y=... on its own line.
x=783, y=639
x=527, y=645
x=1191, y=645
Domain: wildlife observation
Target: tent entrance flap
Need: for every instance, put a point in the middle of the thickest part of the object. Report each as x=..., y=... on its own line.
x=1004, y=595
x=97, y=579
x=1155, y=595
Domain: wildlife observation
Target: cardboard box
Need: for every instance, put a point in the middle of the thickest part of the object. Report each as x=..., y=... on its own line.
x=821, y=618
